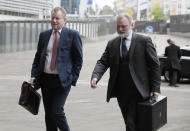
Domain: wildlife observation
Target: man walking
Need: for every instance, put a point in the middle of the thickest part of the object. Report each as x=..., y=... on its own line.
x=173, y=54
x=134, y=70
x=56, y=67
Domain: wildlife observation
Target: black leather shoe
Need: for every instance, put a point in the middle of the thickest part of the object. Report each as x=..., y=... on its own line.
x=173, y=85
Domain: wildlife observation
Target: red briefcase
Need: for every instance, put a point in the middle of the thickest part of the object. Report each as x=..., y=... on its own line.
x=152, y=115
x=29, y=98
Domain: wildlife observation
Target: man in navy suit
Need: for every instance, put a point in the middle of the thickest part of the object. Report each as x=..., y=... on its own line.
x=56, y=67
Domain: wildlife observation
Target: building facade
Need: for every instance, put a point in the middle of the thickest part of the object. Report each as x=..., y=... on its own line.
x=71, y=6
x=142, y=8
x=173, y=7
x=56, y=3
x=26, y=8
x=119, y=5
x=133, y=4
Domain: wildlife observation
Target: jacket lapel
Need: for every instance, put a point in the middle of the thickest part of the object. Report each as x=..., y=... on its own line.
x=45, y=43
x=117, y=48
x=47, y=38
x=133, y=44
x=62, y=37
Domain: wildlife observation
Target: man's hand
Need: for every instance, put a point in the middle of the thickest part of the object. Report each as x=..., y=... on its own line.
x=93, y=83
x=31, y=81
x=155, y=94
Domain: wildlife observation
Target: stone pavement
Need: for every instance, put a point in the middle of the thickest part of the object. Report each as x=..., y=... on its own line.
x=86, y=109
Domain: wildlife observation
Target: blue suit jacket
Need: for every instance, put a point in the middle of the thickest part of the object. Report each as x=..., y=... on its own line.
x=69, y=58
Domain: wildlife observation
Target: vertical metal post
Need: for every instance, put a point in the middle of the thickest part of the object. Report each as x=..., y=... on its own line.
x=30, y=39
x=3, y=36
x=73, y=25
x=88, y=28
x=11, y=37
x=79, y=27
x=36, y=34
x=42, y=25
x=93, y=30
x=47, y=22
x=24, y=37
x=1, y=42
x=82, y=30
x=18, y=36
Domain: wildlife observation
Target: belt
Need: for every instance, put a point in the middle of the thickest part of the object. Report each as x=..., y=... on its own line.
x=49, y=75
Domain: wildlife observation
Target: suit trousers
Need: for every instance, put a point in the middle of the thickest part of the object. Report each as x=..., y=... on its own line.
x=128, y=108
x=173, y=76
x=54, y=98
x=127, y=95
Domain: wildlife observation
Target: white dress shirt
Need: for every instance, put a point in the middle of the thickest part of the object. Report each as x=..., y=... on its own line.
x=49, y=55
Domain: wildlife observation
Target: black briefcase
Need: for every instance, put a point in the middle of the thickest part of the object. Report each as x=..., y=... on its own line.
x=152, y=115
x=29, y=98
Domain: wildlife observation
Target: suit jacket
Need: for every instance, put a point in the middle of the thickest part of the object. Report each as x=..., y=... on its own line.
x=174, y=54
x=69, y=58
x=143, y=65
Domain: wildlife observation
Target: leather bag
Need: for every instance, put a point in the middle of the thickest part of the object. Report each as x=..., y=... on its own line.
x=29, y=98
x=152, y=114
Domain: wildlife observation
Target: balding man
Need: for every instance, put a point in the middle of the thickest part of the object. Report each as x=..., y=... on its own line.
x=173, y=54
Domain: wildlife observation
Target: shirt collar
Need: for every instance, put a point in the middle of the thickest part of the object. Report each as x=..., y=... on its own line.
x=129, y=37
x=58, y=30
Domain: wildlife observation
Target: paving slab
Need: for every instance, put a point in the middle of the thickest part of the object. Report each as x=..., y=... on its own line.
x=86, y=109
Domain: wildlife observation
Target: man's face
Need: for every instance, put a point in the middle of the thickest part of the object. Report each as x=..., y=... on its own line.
x=123, y=26
x=57, y=20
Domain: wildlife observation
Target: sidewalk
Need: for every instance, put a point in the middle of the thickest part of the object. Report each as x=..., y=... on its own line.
x=86, y=109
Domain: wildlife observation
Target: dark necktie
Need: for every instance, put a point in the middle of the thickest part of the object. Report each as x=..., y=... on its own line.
x=124, y=48
x=54, y=51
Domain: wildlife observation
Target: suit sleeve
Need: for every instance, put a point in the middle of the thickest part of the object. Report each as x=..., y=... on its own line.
x=153, y=66
x=34, y=71
x=102, y=65
x=179, y=53
x=77, y=57
x=166, y=52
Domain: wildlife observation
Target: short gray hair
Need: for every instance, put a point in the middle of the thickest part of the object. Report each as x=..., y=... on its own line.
x=56, y=9
x=126, y=15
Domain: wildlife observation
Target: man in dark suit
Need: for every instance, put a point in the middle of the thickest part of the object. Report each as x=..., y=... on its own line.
x=56, y=67
x=173, y=61
x=134, y=70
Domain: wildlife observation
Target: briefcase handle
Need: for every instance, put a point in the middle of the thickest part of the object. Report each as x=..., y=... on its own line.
x=28, y=83
x=152, y=99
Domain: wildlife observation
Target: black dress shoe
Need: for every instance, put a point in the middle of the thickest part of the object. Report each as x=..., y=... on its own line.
x=173, y=85
x=170, y=85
